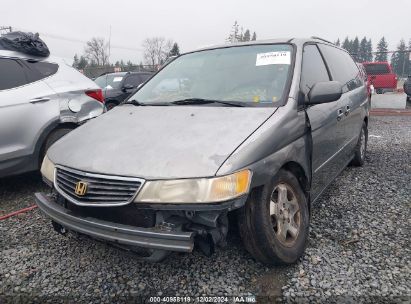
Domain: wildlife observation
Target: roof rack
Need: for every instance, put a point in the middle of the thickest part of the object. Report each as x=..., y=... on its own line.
x=318, y=38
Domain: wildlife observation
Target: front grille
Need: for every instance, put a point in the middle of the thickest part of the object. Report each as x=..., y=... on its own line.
x=103, y=190
x=129, y=214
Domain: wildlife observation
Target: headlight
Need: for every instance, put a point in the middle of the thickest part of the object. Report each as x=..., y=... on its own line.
x=47, y=169
x=201, y=190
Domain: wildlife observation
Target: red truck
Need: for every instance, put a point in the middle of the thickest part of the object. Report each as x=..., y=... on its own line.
x=381, y=76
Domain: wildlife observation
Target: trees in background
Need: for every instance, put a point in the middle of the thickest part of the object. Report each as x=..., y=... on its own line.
x=400, y=60
x=80, y=63
x=156, y=50
x=237, y=34
x=96, y=51
x=360, y=50
x=175, y=50
x=382, y=48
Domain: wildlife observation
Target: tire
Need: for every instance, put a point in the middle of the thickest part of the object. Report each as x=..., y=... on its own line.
x=260, y=226
x=360, y=149
x=51, y=139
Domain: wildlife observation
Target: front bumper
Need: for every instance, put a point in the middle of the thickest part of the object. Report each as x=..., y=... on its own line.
x=152, y=238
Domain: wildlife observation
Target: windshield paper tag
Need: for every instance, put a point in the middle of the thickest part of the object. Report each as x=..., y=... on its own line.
x=117, y=79
x=273, y=58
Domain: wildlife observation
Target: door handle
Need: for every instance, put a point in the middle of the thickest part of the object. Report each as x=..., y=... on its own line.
x=39, y=99
x=347, y=110
x=340, y=114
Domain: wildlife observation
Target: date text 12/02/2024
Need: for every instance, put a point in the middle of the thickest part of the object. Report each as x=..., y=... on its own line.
x=203, y=299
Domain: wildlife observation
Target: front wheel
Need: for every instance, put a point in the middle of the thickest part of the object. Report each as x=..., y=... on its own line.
x=274, y=223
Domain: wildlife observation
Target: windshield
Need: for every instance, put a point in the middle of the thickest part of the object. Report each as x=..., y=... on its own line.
x=109, y=82
x=250, y=75
x=375, y=69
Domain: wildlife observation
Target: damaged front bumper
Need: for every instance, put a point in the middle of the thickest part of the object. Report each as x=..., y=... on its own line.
x=169, y=228
x=152, y=238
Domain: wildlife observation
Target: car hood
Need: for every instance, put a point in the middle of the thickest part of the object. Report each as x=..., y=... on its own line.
x=158, y=142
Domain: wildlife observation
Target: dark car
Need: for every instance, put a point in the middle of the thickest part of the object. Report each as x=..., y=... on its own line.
x=260, y=128
x=118, y=86
x=407, y=87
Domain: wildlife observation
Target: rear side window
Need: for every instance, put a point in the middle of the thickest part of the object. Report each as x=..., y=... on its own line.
x=342, y=67
x=40, y=69
x=12, y=74
x=313, y=68
x=144, y=77
x=133, y=80
x=375, y=69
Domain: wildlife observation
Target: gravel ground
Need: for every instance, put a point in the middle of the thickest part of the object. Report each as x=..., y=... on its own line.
x=359, y=248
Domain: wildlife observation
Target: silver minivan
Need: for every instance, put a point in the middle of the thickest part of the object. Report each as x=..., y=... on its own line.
x=259, y=129
x=41, y=99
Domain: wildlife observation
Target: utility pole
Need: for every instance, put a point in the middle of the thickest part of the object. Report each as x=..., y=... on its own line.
x=405, y=59
x=109, y=46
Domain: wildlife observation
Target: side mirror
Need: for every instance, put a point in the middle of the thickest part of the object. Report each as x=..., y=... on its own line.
x=323, y=92
x=127, y=87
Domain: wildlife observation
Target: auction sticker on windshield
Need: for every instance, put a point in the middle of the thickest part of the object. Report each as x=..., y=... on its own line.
x=273, y=58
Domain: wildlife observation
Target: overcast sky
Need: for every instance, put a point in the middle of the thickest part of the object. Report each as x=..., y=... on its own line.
x=66, y=25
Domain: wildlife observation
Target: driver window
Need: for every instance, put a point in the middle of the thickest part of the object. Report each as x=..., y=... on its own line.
x=313, y=68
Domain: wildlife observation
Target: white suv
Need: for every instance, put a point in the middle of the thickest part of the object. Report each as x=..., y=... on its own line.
x=41, y=99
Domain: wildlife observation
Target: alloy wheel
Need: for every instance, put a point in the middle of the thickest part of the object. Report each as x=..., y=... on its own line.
x=285, y=214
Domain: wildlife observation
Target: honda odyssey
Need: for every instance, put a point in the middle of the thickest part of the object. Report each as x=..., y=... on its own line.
x=258, y=128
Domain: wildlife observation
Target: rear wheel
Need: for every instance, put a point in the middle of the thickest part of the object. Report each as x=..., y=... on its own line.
x=361, y=147
x=274, y=223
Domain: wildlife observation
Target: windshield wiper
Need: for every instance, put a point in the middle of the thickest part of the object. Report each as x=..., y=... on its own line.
x=192, y=101
x=138, y=103
x=135, y=102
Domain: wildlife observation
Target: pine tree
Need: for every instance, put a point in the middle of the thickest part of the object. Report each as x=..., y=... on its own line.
x=355, y=48
x=369, y=55
x=82, y=63
x=75, y=62
x=241, y=35
x=175, y=50
x=347, y=45
x=247, y=35
x=338, y=43
x=234, y=34
x=362, y=52
x=254, y=38
x=382, y=48
x=399, y=62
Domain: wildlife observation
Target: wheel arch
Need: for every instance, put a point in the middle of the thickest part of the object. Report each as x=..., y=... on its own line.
x=298, y=171
x=45, y=135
